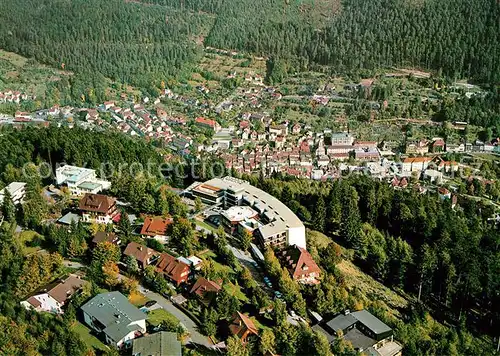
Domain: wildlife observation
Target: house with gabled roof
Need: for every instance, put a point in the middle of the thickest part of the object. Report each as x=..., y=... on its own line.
x=242, y=327
x=156, y=227
x=143, y=254
x=162, y=343
x=51, y=298
x=205, y=290
x=103, y=236
x=98, y=208
x=173, y=268
x=300, y=264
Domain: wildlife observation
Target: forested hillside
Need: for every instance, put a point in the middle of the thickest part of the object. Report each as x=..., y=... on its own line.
x=144, y=44
x=127, y=42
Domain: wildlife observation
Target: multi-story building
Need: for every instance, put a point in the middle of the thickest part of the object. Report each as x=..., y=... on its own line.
x=98, y=208
x=279, y=225
x=113, y=316
x=17, y=192
x=342, y=138
x=80, y=180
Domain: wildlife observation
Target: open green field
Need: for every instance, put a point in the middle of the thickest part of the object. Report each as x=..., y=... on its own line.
x=161, y=316
x=88, y=338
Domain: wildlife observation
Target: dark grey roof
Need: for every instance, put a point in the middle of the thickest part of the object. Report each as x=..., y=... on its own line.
x=119, y=330
x=371, y=322
x=329, y=336
x=359, y=340
x=341, y=322
x=160, y=344
x=114, y=311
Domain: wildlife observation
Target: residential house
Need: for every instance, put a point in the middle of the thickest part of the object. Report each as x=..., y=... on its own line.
x=113, y=316
x=54, y=296
x=447, y=166
x=108, y=105
x=296, y=129
x=98, y=208
x=437, y=145
x=444, y=193
x=162, y=343
x=417, y=147
x=366, y=333
x=173, y=268
x=205, y=290
x=143, y=254
x=103, y=236
x=243, y=327
x=371, y=155
x=17, y=192
x=300, y=264
x=156, y=227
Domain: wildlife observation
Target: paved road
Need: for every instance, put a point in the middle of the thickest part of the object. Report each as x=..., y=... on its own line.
x=195, y=336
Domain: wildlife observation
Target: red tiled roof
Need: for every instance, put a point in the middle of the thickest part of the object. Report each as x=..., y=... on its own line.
x=299, y=262
x=203, y=286
x=155, y=226
x=241, y=324
x=203, y=121
x=34, y=302
x=173, y=268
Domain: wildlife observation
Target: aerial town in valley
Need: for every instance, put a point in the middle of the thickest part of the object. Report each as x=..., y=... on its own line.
x=331, y=230
x=295, y=130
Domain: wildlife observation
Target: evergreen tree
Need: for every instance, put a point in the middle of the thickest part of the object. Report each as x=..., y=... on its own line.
x=351, y=221
x=319, y=218
x=8, y=207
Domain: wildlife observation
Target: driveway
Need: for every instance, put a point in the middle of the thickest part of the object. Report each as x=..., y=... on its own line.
x=72, y=264
x=195, y=336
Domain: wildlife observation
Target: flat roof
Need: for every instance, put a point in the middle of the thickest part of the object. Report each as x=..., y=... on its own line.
x=358, y=339
x=239, y=213
x=89, y=185
x=13, y=187
x=74, y=173
x=267, y=202
x=341, y=322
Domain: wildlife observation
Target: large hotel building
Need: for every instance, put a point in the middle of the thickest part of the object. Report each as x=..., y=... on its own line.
x=247, y=207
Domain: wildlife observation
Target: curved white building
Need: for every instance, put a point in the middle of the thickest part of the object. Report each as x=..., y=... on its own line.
x=280, y=226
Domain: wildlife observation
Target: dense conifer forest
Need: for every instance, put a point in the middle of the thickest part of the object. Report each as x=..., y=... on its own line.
x=145, y=43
